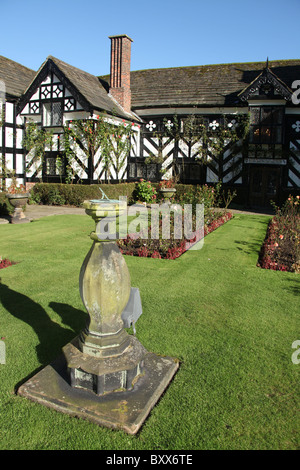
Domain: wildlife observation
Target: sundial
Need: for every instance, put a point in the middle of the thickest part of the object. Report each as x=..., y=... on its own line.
x=105, y=374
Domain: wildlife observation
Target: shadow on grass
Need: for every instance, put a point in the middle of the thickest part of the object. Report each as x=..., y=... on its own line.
x=295, y=289
x=249, y=247
x=72, y=317
x=52, y=336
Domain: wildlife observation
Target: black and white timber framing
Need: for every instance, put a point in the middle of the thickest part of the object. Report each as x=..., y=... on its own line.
x=262, y=167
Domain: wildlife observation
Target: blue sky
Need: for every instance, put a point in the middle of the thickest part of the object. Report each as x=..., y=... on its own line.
x=166, y=33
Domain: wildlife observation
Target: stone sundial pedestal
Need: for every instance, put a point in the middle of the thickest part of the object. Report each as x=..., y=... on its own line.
x=105, y=357
x=105, y=374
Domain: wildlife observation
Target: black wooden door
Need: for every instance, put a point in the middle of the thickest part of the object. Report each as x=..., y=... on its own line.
x=264, y=185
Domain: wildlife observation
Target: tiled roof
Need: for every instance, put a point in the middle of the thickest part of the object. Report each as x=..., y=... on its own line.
x=15, y=76
x=206, y=85
x=90, y=86
x=19, y=79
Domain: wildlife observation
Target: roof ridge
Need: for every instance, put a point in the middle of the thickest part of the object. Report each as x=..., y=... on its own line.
x=51, y=57
x=263, y=62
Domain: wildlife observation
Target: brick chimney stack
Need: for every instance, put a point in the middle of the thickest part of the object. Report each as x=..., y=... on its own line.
x=120, y=70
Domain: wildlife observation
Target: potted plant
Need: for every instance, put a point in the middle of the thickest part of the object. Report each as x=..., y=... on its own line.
x=18, y=198
x=167, y=188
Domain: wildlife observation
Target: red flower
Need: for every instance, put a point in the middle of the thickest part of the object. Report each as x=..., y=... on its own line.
x=143, y=251
x=4, y=263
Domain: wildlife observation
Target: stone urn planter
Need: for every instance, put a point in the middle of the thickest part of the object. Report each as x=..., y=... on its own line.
x=167, y=193
x=18, y=201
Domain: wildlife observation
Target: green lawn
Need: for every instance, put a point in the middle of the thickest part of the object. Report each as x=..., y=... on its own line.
x=230, y=323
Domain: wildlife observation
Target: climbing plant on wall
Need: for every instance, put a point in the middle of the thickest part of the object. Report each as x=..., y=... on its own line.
x=194, y=138
x=36, y=139
x=210, y=138
x=111, y=139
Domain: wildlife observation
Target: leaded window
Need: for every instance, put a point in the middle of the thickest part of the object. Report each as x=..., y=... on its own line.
x=266, y=125
x=54, y=164
x=51, y=166
x=52, y=113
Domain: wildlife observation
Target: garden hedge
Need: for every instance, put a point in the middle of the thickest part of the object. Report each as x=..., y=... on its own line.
x=74, y=195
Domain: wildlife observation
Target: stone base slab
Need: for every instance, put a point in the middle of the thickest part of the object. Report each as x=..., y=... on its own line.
x=126, y=410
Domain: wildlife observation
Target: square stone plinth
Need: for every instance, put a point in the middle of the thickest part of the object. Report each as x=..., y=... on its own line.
x=126, y=410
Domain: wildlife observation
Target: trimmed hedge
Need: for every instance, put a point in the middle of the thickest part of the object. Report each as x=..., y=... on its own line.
x=74, y=195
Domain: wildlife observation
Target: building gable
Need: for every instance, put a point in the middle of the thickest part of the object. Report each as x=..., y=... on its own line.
x=88, y=90
x=50, y=83
x=266, y=85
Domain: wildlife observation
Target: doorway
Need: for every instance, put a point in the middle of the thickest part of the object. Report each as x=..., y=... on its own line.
x=264, y=185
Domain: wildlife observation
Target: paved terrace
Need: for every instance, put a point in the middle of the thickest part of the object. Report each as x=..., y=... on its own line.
x=35, y=211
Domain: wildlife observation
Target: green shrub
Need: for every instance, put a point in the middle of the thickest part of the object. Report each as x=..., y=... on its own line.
x=5, y=207
x=144, y=192
x=55, y=198
x=74, y=195
x=182, y=189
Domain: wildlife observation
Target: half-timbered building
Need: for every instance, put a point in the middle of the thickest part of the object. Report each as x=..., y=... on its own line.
x=14, y=78
x=235, y=123
x=263, y=165
x=54, y=97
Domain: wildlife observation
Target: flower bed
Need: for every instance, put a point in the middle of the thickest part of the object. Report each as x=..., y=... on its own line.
x=281, y=248
x=4, y=263
x=166, y=248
